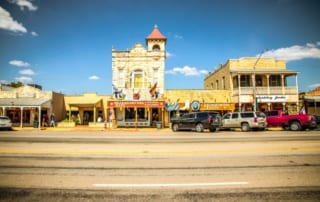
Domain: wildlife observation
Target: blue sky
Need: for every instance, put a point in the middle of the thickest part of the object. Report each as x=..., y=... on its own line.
x=65, y=45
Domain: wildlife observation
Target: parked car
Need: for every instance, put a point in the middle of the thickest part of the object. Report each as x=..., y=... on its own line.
x=244, y=120
x=197, y=121
x=5, y=123
x=294, y=122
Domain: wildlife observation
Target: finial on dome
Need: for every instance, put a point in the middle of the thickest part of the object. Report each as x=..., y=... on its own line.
x=155, y=26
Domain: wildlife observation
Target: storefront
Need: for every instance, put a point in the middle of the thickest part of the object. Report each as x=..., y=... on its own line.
x=28, y=106
x=136, y=113
x=177, y=109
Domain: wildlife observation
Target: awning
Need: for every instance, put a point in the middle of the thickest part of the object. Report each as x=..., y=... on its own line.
x=312, y=98
x=24, y=102
x=82, y=102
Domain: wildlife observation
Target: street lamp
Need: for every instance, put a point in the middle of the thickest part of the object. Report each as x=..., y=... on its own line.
x=255, y=100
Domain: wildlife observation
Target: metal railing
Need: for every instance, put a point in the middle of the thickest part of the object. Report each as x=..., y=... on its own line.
x=266, y=90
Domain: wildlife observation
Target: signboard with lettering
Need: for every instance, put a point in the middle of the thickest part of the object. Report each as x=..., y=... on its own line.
x=272, y=98
x=150, y=104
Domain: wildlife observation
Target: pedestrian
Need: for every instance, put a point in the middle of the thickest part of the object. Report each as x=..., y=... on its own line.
x=44, y=120
x=52, y=120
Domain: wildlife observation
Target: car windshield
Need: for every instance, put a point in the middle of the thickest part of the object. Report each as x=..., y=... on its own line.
x=3, y=118
x=260, y=114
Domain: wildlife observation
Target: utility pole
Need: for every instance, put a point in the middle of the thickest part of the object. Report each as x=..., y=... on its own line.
x=255, y=100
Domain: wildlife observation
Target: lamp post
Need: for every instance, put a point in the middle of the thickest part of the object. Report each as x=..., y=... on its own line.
x=255, y=100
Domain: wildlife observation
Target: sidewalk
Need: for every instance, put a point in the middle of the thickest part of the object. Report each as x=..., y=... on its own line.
x=86, y=128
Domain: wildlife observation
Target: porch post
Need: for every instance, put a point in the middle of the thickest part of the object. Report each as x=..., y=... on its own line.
x=268, y=84
x=21, y=117
x=39, y=117
x=282, y=84
x=70, y=113
x=239, y=92
x=94, y=114
x=297, y=87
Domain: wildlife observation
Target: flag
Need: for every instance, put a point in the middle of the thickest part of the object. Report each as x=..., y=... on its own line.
x=302, y=110
x=153, y=89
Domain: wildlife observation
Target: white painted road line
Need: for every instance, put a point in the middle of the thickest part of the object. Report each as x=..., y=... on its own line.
x=170, y=185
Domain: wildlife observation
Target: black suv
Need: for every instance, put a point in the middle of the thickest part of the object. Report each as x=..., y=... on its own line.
x=197, y=121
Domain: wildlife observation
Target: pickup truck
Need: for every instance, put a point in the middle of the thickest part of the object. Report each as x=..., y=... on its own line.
x=294, y=122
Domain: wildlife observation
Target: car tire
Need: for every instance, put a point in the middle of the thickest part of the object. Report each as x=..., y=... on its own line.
x=199, y=127
x=245, y=127
x=295, y=126
x=212, y=129
x=175, y=127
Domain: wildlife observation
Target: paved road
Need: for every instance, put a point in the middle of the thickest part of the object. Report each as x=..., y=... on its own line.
x=159, y=165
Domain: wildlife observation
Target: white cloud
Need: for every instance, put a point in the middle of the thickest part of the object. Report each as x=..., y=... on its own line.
x=4, y=82
x=24, y=4
x=26, y=72
x=169, y=54
x=314, y=85
x=8, y=23
x=187, y=71
x=296, y=52
x=94, y=77
x=34, y=34
x=24, y=79
x=177, y=36
x=19, y=63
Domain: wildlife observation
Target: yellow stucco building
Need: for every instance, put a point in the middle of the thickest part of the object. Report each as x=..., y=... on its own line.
x=261, y=83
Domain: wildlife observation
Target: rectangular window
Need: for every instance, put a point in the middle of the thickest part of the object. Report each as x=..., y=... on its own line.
x=155, y=76
x=224, y=83
x=275, y=80
x=121, y=78
x=245, y=80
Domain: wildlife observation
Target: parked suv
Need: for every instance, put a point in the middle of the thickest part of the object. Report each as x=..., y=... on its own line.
x=244, y=120
x=197, y=121
x=5, y=122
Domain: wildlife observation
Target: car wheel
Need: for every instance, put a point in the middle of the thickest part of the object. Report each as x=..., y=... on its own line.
x=212, y=129
x=284, y=127
x=175, y=127
x=199, y=127
x=295, y=126
x=245, y=127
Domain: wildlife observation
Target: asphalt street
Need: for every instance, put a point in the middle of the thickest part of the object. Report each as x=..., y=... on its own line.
x=159, y=165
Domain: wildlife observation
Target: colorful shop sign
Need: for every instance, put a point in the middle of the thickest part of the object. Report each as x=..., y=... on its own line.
x=126, y=104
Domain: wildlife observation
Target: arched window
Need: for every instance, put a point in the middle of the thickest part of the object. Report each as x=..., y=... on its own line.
x=156, y=47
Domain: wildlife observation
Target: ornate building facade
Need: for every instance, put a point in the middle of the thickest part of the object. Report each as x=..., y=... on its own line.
x=138, y=82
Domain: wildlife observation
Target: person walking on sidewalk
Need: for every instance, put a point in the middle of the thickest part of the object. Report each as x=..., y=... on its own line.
x=52, y=120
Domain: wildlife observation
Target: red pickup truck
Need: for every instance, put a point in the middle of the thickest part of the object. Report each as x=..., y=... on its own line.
x=294, y=122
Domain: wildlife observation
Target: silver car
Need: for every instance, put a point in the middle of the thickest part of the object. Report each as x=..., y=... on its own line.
x=244, y=120
x=5, y=122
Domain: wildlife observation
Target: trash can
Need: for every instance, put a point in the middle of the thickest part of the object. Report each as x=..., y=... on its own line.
x=159, y=124
x=35, y=124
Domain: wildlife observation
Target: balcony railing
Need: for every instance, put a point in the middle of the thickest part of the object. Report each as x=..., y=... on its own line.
x=291, y=90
